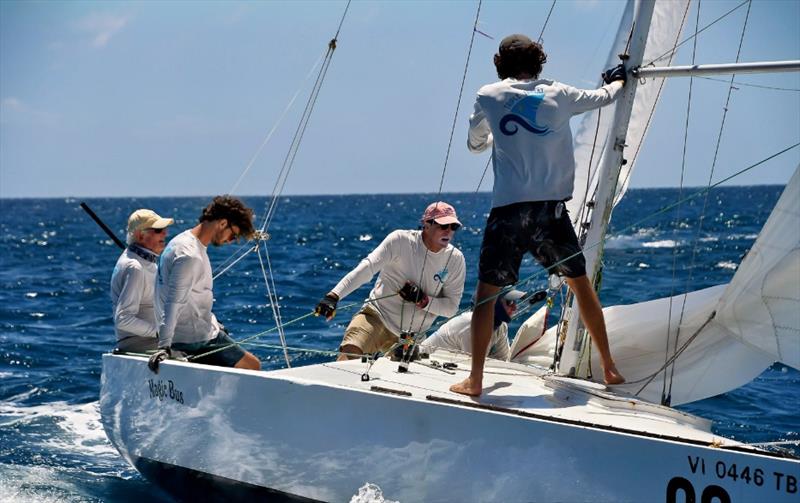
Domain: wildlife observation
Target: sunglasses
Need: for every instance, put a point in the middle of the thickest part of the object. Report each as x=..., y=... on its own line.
x=156, y=231
x=453, y=227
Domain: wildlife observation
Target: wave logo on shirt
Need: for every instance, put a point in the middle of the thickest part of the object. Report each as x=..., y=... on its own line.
x=523, y=114
x=440, y=276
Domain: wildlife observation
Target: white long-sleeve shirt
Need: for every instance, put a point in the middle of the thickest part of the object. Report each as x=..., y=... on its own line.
x=184, y=293
x=455, y=335
x=132, y=285
x=526, y=122
x=400, y=258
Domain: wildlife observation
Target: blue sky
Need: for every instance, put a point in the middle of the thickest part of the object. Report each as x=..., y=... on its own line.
x=174, y=98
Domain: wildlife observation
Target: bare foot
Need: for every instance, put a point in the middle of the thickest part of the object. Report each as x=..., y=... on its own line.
x=468, y=387
x=612, y=375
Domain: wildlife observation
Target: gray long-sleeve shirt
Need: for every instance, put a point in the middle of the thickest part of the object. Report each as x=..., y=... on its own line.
x=132, y=285
x=526, y=122
x=184, y=293
x=400, y=258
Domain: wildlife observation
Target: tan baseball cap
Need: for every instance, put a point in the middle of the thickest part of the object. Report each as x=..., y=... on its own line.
x=147, y=219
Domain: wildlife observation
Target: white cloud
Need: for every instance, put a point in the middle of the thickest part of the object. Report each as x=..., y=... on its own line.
x=103, y=26
x=14, y=110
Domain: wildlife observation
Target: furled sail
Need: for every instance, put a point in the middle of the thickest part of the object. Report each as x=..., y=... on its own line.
x=590, y=139
x=728, y=333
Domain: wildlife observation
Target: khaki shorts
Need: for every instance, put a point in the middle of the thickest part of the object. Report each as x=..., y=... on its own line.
x=367, y=332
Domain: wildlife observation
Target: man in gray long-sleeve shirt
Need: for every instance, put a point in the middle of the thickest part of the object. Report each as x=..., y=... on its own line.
x=525, y=120
x=132, y=282
x=184, y=289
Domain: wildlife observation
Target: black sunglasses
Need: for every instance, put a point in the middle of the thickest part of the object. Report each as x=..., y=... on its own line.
x=157, y=231
x=453, y=227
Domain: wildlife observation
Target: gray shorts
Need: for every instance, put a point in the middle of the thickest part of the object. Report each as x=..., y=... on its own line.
x=228, y=355
x=136, y=344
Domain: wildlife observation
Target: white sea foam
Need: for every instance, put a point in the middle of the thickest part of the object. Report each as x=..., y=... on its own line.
x=80, y=430
x=370, y=493
x=664, y=243
x=727, y=264
x=365, y=237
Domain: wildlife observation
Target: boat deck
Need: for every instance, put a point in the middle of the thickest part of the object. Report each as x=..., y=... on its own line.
x=512, y=388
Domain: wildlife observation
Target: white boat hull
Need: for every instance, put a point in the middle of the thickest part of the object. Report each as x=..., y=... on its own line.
x=286, y=434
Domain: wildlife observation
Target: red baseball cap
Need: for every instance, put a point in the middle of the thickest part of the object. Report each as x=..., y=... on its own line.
x=441, y=213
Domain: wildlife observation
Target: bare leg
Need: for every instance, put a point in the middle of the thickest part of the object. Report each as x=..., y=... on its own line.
x=592, y=316
x=481, y=333
x=348, y=352
x=248, y=361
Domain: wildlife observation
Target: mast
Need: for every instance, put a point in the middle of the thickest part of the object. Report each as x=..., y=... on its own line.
x=571, y=362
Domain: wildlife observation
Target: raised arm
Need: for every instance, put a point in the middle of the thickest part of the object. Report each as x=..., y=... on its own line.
x=479, y=137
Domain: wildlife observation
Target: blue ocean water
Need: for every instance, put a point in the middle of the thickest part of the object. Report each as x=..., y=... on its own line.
x=55, y=319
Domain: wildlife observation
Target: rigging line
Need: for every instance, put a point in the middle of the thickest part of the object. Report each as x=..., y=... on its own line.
x=744, y=84
x=290, y=322
x=698, y=33
x=244, y=248
x=269, y=282
x=297, y=148
x=541, y=34
x=678, y=212
x=674, y=357
x=243, y=255
x=274, y=127
x=460, y=93
x=705, y=200
x=485, y=169
x=341, y=21
x=294, y=142
x=658, y=96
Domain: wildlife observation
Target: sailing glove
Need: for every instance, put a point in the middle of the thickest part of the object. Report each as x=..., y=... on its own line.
x=413, y=293
x=158, y=357
x=327, y=306
x=616, y=73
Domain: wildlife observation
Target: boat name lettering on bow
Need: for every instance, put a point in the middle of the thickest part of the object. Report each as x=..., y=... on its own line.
x=162, y=391
x=781, y=482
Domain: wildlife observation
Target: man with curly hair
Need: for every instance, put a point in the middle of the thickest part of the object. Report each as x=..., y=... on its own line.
x=525, y=120
x=184, y=289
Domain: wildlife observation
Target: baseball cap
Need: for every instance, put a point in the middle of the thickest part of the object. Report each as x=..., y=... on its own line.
x=441, y=213
x=147, y=219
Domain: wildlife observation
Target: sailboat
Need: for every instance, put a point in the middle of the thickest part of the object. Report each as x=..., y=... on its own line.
x=319, y=432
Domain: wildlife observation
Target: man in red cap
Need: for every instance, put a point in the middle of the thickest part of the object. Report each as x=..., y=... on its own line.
x=420, y=276
x=525, y=120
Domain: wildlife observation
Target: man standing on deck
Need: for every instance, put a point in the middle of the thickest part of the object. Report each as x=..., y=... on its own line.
x=184, y=289
x=421, y=277
x=133, y=282
x=525, y=120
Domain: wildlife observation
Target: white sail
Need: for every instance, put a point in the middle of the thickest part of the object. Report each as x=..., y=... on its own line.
x=761, y=306
x=731, y=333
x=665, y=29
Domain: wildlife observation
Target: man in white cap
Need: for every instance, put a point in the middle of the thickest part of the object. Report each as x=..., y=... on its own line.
x=455, y=334
x=133, y=282
x=420, y=276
